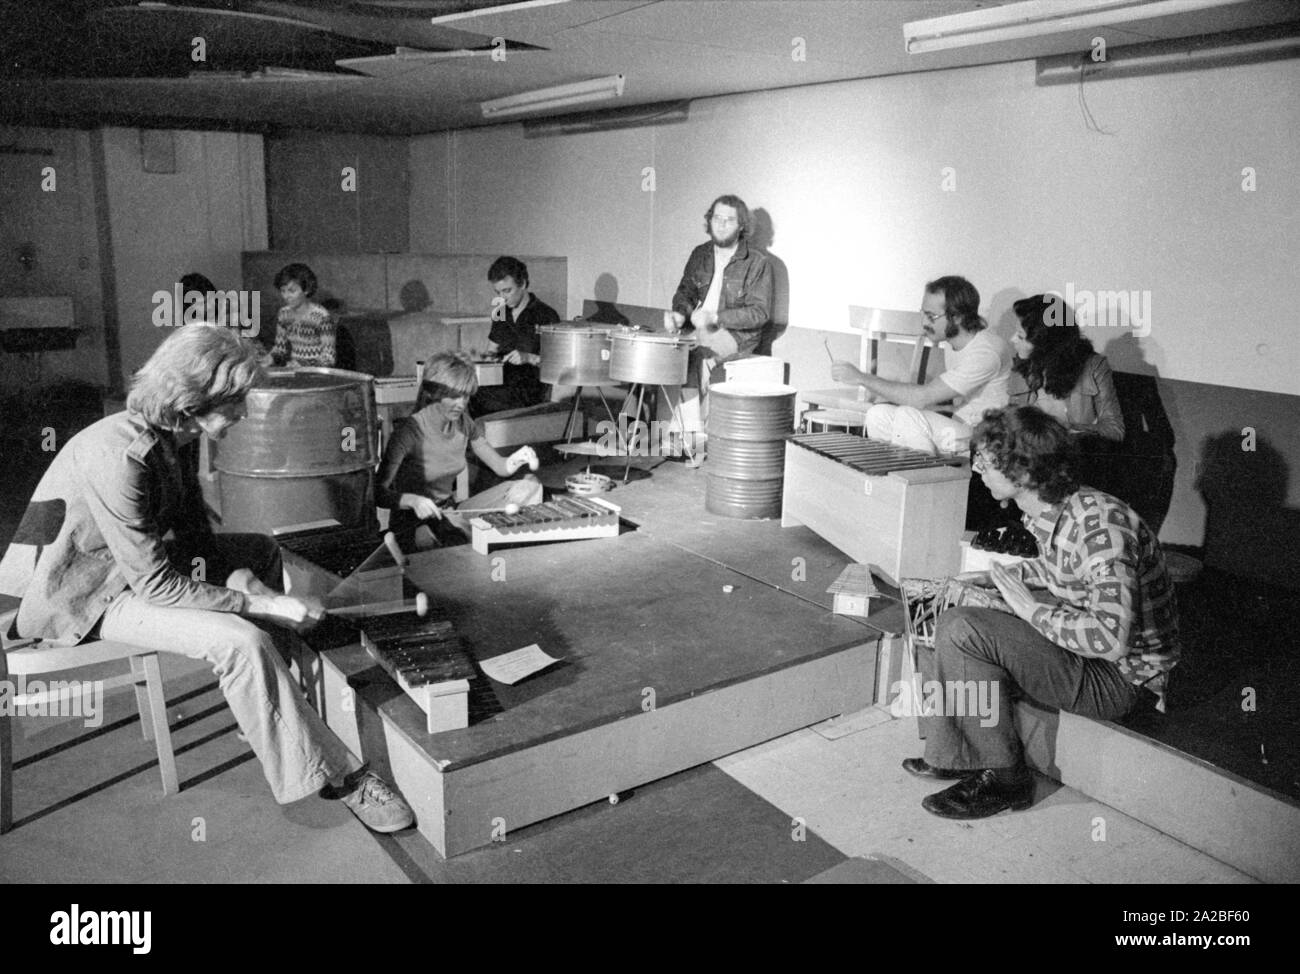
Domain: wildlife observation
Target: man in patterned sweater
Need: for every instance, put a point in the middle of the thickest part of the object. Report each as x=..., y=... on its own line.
x=1102, y=640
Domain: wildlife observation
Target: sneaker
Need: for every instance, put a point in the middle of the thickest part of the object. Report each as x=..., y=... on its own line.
x=377, y=805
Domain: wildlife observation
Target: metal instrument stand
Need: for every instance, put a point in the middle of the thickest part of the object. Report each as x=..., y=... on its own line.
x=573, y=413
x=638, y=390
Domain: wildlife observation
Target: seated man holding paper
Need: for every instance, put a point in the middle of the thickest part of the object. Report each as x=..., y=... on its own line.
x=975, y=380
x=1105, y=637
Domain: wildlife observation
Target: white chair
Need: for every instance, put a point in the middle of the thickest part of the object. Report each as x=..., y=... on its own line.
x=879, y=327
x=32, y=657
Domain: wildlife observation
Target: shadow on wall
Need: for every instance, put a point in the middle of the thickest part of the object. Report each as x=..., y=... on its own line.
x=1141, y=471
x=414, y=296
x=763, y=235
x=606, y=294
x=1249, y=529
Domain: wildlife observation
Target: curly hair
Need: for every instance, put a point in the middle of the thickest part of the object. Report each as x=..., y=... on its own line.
x=447, y=376
x=1060, y=351
x=743, y=219
x=1032, y=448
x=193, y=372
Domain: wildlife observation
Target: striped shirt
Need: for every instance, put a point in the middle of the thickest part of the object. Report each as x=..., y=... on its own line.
x=306, y=340
x=1106, y=570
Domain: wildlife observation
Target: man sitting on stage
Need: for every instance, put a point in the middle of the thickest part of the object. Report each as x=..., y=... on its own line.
x=975, y=380
x=1105, y=639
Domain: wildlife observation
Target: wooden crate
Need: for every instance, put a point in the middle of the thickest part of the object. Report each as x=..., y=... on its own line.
x=909, y=522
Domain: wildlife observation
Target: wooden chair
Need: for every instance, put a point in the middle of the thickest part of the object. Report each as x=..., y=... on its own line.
x=31, y=657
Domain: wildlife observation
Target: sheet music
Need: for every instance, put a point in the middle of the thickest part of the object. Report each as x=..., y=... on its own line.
x=513, y=667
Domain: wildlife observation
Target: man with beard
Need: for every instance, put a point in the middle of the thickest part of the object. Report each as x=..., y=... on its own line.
x=725, y=293
x=975, y=380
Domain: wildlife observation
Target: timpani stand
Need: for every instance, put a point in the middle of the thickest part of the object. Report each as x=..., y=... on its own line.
x=650, y=363
x=576, y=354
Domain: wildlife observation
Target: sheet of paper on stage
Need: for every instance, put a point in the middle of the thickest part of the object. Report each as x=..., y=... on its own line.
x=513, y=667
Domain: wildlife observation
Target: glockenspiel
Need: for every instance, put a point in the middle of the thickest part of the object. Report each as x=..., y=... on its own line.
x=560, y=519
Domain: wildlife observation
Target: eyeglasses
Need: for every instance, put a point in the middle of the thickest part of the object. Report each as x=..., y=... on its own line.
x=932, y=318
x=979, y=462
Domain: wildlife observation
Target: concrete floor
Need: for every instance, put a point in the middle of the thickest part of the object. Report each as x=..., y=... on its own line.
x=90, y=810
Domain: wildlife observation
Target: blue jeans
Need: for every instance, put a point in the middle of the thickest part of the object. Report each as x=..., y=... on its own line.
x=1003, y=657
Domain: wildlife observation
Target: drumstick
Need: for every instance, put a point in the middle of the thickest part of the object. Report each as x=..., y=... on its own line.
x=376, y=608
x=394, y=549
x=511, y=508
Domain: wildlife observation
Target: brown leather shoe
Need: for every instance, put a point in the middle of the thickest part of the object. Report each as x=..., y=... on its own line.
x=982, y=795
x=918, y=767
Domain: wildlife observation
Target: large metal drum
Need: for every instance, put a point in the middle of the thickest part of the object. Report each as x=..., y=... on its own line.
x=748, y=424
x=658, y=360
x=305, y=452
x=575, y=355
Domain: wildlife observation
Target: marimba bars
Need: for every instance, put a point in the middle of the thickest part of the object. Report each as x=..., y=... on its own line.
x=427, y=660
x=901, y=509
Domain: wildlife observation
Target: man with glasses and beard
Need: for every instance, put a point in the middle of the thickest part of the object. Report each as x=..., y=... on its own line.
x=975, y=379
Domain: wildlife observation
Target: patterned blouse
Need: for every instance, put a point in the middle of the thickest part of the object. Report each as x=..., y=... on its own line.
x=1106, y=569
x=304, y=340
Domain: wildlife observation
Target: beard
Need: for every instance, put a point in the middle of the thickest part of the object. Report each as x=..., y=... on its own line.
x=725, y=242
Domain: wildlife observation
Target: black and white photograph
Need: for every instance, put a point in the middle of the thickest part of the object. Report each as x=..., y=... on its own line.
x=654, y=442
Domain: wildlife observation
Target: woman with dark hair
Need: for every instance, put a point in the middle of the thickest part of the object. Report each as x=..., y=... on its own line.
x=115, y=545
x=417, y=479
x=305, y=332
x=1101, y=635
x=1057, y=370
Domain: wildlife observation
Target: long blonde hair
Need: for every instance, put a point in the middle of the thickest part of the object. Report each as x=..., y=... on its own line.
x=192, y=372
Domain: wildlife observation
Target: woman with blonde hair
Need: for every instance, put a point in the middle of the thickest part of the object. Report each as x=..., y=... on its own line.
x=115, y=545
x=417, y=479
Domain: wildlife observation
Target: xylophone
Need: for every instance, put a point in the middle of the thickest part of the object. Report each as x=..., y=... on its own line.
x=900, y=509
x=427, y=660
x=561, y=519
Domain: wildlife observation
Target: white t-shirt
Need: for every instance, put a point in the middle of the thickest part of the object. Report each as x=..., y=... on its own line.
x=721, y=258
x=979, y=374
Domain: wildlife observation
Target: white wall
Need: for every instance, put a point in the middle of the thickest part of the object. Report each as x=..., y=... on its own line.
x=163, y=225
x=851, y=176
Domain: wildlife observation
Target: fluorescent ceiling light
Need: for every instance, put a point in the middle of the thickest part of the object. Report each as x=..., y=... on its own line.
x=1038, y=18
x=505, y=8
x=560, y=96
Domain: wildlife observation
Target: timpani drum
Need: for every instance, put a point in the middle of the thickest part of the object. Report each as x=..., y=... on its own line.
x=659, y=360
x=575, y=355
x=748, y=424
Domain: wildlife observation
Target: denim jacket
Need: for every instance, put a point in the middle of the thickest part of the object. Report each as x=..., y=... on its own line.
x=1092, y=406
x=96, y=526
x=746, y=303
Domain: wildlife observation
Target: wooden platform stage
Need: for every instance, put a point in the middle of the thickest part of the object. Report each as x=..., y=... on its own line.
x=662, y=669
